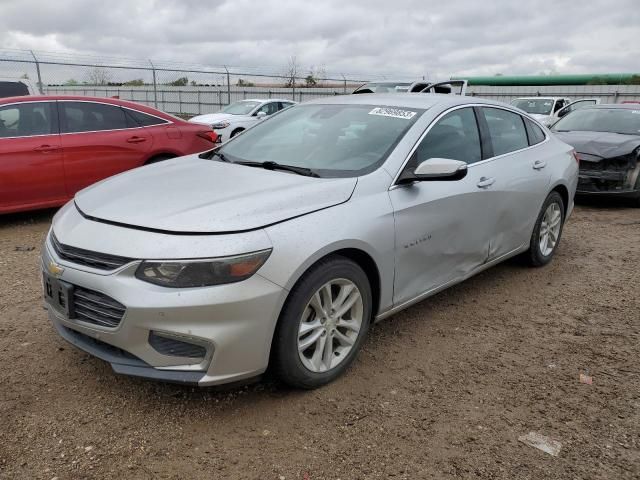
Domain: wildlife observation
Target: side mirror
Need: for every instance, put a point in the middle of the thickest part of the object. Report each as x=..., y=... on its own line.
x=261, y=115
x=562, y=112
x=436, y=169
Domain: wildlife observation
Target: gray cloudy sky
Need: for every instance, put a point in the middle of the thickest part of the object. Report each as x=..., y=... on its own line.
x=404, y=37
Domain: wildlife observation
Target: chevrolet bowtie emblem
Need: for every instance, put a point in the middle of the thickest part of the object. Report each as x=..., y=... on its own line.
x=55, y=269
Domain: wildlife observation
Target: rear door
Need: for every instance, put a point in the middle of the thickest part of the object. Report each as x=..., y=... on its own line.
x=442, y=227
x=31, y=172
x=99, y=140
x=519, y=167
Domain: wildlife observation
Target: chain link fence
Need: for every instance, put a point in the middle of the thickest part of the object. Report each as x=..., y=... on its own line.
x=180, y=89
x=187, y=90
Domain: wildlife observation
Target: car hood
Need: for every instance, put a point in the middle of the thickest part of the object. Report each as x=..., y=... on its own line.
x=211, y=118
x=194, y=195
x=539, y=116
x=601, y=144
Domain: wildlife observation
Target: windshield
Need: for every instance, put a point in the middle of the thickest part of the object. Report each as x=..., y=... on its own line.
x=384, y=87
x=241, y=108
x=615, y=120
x=332, y=140
x=537, y=106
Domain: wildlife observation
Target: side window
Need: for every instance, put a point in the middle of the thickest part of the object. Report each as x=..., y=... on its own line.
x=268, y=108
x=26, y=119
x=283, y=105
x=143, y=119
x=92, y=117
x=506, y=130
x=559, y=105
x=455, y=136
x=536, y=135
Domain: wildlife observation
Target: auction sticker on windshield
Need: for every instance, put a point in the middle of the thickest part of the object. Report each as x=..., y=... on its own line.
x=393, y=112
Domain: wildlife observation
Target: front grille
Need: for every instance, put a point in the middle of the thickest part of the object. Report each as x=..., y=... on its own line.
x=100, y=261
x=96, y=308
x=175, y=348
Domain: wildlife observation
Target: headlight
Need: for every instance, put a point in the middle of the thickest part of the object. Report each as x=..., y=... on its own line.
x=220, y=125
x=202, y=273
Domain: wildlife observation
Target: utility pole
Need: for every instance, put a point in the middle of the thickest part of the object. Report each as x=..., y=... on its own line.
x=35, y=59
x=155, y=85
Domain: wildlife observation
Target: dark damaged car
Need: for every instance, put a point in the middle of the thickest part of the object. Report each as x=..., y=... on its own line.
x=607, y=140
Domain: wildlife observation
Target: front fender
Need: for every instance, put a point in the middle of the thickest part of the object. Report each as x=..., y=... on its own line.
x=364, y=223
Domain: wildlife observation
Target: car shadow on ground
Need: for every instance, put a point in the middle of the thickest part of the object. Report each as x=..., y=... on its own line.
x=25, y=218
x=266, y=387
x=606, y=202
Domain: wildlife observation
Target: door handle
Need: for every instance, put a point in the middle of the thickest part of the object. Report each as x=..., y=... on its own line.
x=46, y=148
x=136, y=139
x=485, y=182
x=539, y=164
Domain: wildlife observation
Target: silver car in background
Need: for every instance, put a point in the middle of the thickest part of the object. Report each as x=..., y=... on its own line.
x=280, y=248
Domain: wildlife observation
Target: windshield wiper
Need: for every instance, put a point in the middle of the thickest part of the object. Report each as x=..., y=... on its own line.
x=215, y=153
x=307, y=172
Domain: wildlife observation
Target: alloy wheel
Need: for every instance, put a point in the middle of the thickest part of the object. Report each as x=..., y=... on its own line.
x=550, y=229
x=330, y=325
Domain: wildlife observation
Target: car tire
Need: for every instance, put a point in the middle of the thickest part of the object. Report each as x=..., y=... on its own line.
x=159, y=158
x=236, y=132
x=308, y=317
x=540, y=252
x=636, y=187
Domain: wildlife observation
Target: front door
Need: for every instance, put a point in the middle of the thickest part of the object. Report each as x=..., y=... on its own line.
x=442, y=227
x=31, y=171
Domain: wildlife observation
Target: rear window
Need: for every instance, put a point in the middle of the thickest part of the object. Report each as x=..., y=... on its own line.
x=536, y=135
x=13, y=89
x=143, y=119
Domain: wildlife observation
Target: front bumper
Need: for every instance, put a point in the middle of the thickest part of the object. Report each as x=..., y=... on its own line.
x=631, y=194
x=231, y=324
x=606, y=184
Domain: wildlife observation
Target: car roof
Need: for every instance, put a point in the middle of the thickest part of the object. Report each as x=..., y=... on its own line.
x=82, y=98
x=394, y=82
x=405, y=100
x=620, y=106
x=541, y=97
x=265, y=100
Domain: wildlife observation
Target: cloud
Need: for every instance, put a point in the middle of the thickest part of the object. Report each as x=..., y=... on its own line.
x=402, y=38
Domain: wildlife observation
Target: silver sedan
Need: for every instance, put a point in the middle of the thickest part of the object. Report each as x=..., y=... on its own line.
x=280, y=248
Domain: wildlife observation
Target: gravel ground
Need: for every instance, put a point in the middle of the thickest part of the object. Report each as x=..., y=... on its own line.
x=441, y=390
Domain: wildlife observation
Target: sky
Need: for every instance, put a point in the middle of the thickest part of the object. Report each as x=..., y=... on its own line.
x=399, y=38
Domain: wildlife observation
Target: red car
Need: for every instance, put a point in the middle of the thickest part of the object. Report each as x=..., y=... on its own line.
x=53, y=146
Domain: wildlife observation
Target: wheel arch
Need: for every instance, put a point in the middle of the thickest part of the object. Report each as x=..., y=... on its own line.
x=357, y=253
x=564, y=193
x=161, y=155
